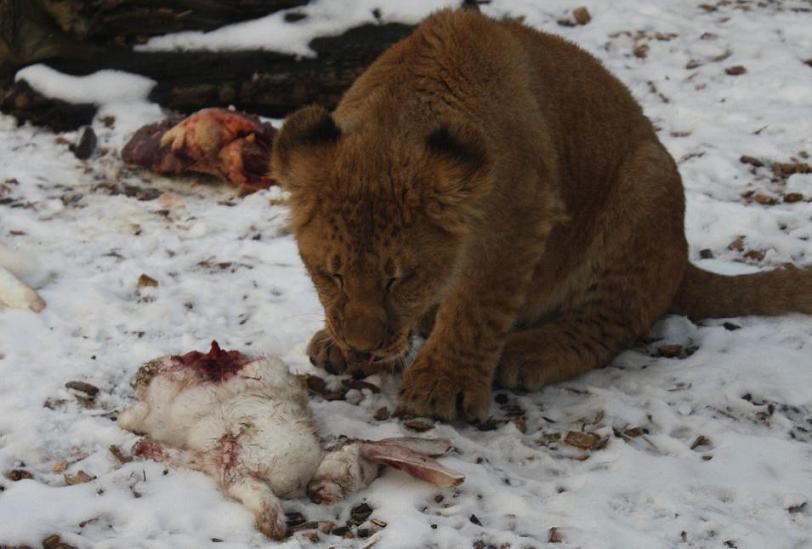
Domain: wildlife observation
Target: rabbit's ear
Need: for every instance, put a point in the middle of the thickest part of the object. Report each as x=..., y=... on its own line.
x=413, y=456
x=433, y=447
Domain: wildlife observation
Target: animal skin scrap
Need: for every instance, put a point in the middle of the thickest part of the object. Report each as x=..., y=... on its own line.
x=247, y=423
x=224, y=143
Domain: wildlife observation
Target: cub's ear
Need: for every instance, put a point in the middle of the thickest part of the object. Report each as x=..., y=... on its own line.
x=461, y=166
x=304, y=140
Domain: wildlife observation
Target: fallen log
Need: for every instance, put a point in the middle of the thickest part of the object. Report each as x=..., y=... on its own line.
x=263, y=82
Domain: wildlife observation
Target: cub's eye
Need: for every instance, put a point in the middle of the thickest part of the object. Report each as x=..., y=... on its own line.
x=334, y=277
x=391, y=282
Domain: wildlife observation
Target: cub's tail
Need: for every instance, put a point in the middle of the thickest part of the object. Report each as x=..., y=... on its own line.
x=709, y=295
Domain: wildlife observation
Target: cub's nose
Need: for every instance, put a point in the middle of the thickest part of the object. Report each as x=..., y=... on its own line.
x=363, y=334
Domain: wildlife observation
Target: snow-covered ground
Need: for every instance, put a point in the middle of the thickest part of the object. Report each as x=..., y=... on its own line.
x=711, y=450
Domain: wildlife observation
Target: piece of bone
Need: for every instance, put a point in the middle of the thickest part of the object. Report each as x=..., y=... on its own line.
x=15, y=294
x=357, y=464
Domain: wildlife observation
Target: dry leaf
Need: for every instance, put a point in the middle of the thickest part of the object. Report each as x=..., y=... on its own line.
x=79, y=478
x=584, y=441
x=145, y=281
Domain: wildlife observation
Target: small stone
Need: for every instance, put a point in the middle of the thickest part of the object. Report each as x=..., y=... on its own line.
x=360, y=513
x=475, y=519
x=555, y=535
x=83, y=149
x=294, y=518
x=706, y=254
x=581, y=15
x=797, y=508
x=735, y=70
x=327, y=527
x=793, y=197
x=641, y=51
x=146, y=281
x=382, y=414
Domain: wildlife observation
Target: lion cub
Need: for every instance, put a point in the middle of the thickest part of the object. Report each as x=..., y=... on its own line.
x=497, y=186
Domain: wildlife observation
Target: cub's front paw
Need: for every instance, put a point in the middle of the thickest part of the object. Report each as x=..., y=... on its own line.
x=433, y=387
x=325, y=353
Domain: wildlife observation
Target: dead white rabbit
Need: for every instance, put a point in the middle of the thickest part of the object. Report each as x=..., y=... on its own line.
x=14, y=293
x=247, y=423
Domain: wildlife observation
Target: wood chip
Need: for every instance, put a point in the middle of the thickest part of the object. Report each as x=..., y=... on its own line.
x=360, y=384
x=581, y=15
x=60, y=466
x=146, y=281
x=327, y=527
x=752, y=160
x=633, y=432
x=797, y=508
x=555, y=535
x=737, y=245
x=418, y=425
x=584, y=441
x=700, y=442
x=55, y=542
x=79, y=478
x=755, y=255
x=676, y=351
x=18, y=474
x=764, y=200
x=90, y=390
x=549, y=438
x=735, y=70
x=793, y=197
x=120, y=456
x=382, y=523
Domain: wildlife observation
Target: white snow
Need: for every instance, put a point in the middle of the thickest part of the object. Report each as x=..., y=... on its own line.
x=101, y=87
x=228, y=269
x=322, y=18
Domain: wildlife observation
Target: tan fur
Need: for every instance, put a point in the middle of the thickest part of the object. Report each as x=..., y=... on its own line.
x=501, y=177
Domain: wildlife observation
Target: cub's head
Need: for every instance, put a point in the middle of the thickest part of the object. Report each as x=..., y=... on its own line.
x=382, y=218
